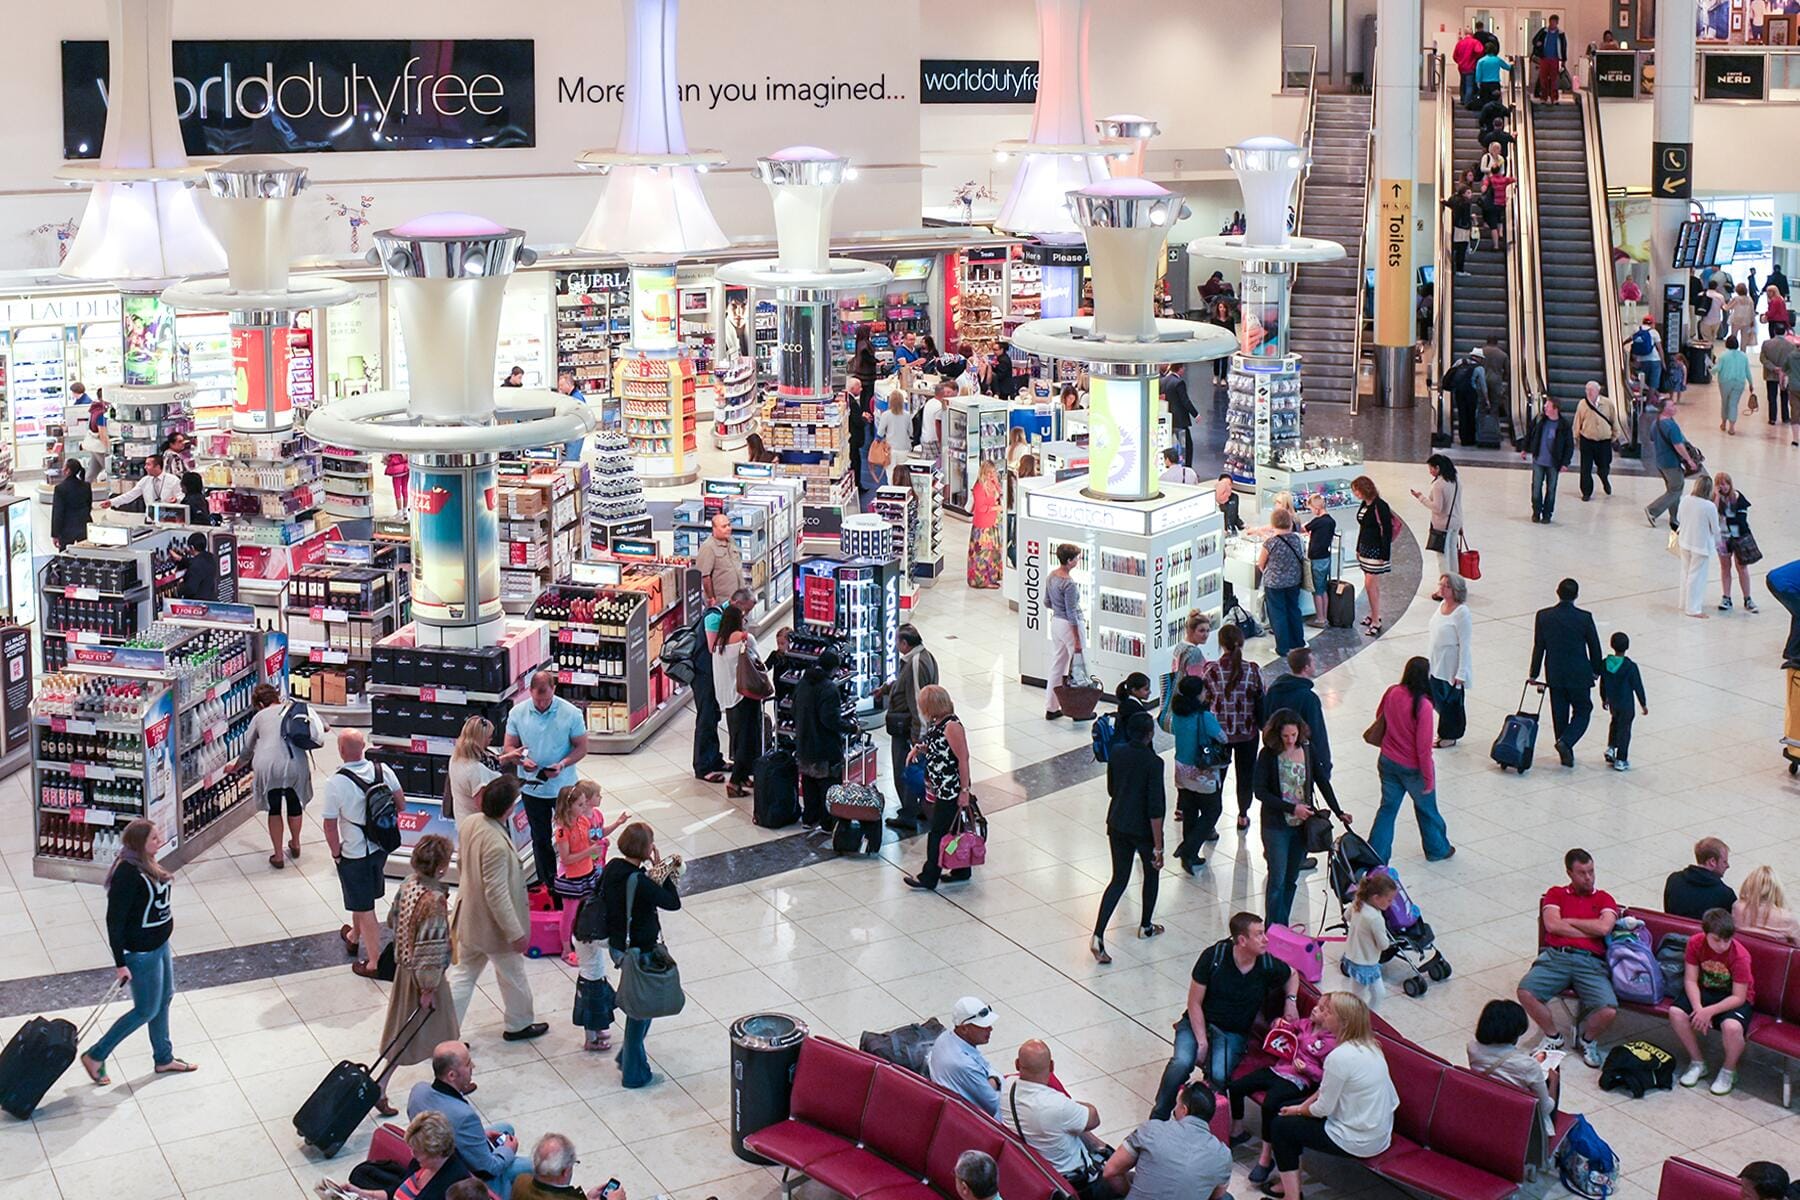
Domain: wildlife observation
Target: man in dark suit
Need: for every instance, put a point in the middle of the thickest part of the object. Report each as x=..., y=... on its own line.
x=1565, y=647
x=1181, y=410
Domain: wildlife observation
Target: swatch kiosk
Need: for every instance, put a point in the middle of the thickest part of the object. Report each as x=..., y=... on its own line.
x=1150, y=550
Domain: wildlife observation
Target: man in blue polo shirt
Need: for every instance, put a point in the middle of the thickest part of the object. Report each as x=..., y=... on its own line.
x=553, y=734
x=956, y=1063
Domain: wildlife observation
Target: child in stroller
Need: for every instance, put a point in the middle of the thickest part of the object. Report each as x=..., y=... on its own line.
x=1413, y=943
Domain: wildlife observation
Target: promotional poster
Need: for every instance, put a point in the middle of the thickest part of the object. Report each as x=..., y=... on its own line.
x=443, y=549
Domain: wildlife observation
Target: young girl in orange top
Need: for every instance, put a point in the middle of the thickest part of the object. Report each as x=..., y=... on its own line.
x=581, y=834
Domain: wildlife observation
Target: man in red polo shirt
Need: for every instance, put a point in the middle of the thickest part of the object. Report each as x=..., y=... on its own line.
x=1576, y=921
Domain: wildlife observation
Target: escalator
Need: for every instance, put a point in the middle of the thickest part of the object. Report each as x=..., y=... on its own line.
x=1326, y=304
x=1575, y=342
x=1479, y=298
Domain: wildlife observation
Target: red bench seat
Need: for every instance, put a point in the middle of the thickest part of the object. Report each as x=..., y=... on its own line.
x=1684, y=1180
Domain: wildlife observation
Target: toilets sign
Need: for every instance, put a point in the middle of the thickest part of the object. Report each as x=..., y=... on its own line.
x=306, y=96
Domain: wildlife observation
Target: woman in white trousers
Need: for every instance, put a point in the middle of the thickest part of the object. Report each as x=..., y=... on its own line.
x=1062, y=596
x=1698, y=542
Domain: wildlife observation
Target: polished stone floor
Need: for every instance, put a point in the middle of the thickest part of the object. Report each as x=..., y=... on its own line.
x=844, y=946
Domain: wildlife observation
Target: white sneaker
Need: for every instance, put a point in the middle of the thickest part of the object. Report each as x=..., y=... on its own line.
x=1590, y=1052
x=1553, y=1042
x=1723, y=1082
x=1694, y=1074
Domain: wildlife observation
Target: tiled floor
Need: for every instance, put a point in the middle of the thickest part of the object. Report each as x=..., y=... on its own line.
x=846, y=947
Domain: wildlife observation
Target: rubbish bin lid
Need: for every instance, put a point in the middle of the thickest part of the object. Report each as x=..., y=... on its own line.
x=768, y=1031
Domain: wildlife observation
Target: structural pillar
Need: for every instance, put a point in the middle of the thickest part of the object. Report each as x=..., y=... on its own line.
x=1396, y=170
x=1672, y=161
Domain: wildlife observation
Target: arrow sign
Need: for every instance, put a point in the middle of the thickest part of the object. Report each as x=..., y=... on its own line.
x=1671, y=175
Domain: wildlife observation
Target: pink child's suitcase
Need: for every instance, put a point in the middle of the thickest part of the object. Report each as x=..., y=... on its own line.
x=546, y=934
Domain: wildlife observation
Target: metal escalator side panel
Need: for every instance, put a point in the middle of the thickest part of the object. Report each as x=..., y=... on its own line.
x=1614, y=383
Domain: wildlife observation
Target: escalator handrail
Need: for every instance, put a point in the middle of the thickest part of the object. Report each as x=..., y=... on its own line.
x=1612, y=337
x=1444, y=232
x=1362, y=248
x=1525, y=299
x=1306, y=137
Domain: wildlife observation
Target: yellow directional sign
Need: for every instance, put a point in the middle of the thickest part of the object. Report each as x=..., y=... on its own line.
x=1393, y=265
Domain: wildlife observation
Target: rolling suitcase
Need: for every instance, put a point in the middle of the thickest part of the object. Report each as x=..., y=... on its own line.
x=1518, y=736
x=38, y=1055
x=347, y=1094
x=1340, y=604
x=775, y=790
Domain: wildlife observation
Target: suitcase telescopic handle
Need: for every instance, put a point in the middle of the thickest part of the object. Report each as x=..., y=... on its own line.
x=112, y=992
x=1542, y=689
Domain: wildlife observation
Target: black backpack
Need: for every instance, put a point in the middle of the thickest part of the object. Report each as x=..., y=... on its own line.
x=381, y=814
x=297, y=730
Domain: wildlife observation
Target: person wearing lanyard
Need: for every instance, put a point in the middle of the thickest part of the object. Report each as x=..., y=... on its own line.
x=552, y=734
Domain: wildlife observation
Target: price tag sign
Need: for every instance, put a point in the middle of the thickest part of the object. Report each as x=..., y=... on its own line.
x=78, y=770
x=435, y=695
x=320, y=654
x=418, y=746
x=59, y=725
x=327, y=614
x=580, y=637
x=210, y=732
x=85, y=637
x=582, y=678
x=80, y=727
x=81, y=593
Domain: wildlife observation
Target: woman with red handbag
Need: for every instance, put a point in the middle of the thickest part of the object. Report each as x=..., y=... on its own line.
x=945, y=749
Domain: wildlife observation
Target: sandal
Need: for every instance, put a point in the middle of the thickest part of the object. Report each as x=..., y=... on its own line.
x=96, y=1071
x=175, y=1066
x=294, y=849
x=1097, y=948
x=1149, y=931
x=348, y=937
x=714, y=777
x=276, y=861
x=1372, y=630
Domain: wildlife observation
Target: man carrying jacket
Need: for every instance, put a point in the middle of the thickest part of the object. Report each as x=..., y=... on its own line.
x=1565, y=648
x=1550, y=47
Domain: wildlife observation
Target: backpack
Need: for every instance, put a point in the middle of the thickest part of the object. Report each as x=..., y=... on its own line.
x=1643, y=344
x=298, y=731
x=1102, y=735
x=1638, y=1067
x=1403, y=913
x=1671, y=955
x=381, y=815
x=1636, y=974
x=1588, y=1167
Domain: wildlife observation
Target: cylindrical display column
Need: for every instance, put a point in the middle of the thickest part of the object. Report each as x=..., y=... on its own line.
x=1123, y=399
x=455, y=547
x=259, y=357
x=1672, y=164
x=803, y=339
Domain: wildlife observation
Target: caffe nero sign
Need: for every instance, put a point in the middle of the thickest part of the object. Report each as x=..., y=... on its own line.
x=1732, y=76
x=1615, y=74
x=313, y=96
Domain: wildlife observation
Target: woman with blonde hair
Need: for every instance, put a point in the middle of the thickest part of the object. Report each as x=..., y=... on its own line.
x=1352, y=1113
x=420, y=920
x=1697, y=542
x=945, y=748
x=1736, y=543
x=473, y=763
x=439, y=1166
x=1762, y=910
x=985, y=555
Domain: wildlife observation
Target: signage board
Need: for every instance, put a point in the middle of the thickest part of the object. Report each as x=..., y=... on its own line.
x=309, y=96
x=1393, y=265
x=1671, y=170
x=977, y=81
x=1616, y=74
x=1734, y=77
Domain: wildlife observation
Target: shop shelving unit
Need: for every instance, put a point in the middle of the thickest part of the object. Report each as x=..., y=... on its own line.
x=605, y=639
x=616, y=508
x=765, y=517
x=204, y=359
x=657, y=409
x=540, y=530
x=858, y=601
x=38, y=375
x=590, y=308
x=141, y=422
x=734, y=402
x=898, y=505
x=93, y=596
x=348, y=477
x=334, y=613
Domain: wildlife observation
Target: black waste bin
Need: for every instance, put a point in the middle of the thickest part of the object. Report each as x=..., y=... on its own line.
x=765, y=1049
x=1699, y=361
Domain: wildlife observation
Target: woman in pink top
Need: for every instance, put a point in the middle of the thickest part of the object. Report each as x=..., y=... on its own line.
x=984, y=536
x=1405, y=764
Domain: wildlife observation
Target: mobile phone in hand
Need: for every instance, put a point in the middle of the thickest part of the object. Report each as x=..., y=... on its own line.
x=612, y=1185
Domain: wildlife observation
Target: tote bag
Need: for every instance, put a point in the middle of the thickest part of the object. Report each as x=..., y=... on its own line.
x=649, y=980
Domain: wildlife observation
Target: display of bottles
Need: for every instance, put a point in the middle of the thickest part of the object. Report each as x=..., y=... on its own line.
x=606, y=661
x=211, y=657
x=91, y=697
x=210, y=803
x=121, y=751
x=217, y=714
x=160, y=636
x=102, y=574
x=205, y=757
x=107, y=618
x=59, y=837
x=63, y=791
x=609, y=615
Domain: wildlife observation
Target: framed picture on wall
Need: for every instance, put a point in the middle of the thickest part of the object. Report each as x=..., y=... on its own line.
x=1646, y=20
x=1779, y=29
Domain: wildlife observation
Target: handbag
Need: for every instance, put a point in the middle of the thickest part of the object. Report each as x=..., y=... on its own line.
x=1376, y=733
x=854, y=802
x=880, y=453
x=753, y=679
x=649, y=980
x=1317, y=831
x=966, y=844
x=1468, y=559
x=1744, y=549
x=1674, y=545
x=1437, y=539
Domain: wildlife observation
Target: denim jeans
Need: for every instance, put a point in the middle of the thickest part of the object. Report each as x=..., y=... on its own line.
x=1543, y=490
x=1284, y=616
x=1283, y=852
x=633, y=1060
x=1224, y=1052
x=1397, y=782
x=520, y=1166
x=152, y=988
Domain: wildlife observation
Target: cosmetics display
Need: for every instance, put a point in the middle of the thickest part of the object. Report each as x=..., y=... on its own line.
x=615, y=496
x=898, y=506
x=1263, y=417
x=974, y=431
x=858, y=601
x=735, y=397
x=927, y=483
x=809, y=641
x=657, y=411
x=593, y=316
x=765, y=521
x=266, y=486
x=348, y=477
x=142, y=420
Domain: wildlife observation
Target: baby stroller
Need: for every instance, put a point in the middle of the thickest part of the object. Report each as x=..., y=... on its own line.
x=1414, y=944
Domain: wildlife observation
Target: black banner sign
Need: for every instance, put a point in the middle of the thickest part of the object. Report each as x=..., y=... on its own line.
x=1042, y=255
x=309, y=97
x=1733, y=76
x=1616, y=74
x=977, y=81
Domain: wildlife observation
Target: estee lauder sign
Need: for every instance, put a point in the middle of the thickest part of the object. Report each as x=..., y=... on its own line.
x=311, y=96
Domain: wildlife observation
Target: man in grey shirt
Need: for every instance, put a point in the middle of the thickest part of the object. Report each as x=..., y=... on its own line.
x=918, y=670
x=721, y=566
x=1177, y=1159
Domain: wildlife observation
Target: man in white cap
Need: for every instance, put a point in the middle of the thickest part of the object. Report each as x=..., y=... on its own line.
x=956, y=1062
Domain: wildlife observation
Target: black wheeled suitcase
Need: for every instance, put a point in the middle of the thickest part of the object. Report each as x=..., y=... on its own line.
x=39, y=1053
x=1517, y=742
x=347, y=1094
x=775, y=790
x=1340, y=604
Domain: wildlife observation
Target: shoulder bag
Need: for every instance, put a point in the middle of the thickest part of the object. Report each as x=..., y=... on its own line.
x=649, y=980
x=753, y=679
x=1437, y=539
x=1376, y=733
x=880, y=453
x=966, y=845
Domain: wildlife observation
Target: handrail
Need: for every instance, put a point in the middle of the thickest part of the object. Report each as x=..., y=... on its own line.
x=1444, y=277
x=1525, y=299
x=1362, y=247
x=1306, y=137
x=1612, y=337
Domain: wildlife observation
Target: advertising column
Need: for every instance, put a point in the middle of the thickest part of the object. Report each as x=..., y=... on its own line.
x=1672, y=150
x=1396, y=166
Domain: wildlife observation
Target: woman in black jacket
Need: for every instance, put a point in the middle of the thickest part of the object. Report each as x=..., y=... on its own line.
x=1286, y=781
x=71, y=506
x=631, y=897
x=863, y=364
x=1001, y=381
x=1374, y=545
x=193, y=494
x=819, y=733
x=138, y=924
